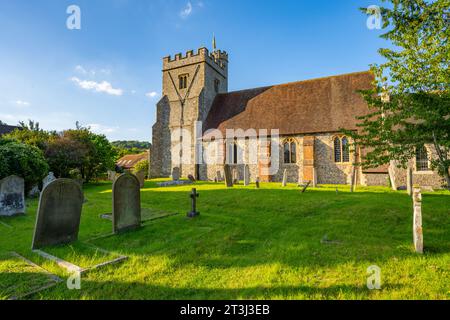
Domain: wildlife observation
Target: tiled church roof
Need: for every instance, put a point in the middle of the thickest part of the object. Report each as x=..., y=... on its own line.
x=305, y=107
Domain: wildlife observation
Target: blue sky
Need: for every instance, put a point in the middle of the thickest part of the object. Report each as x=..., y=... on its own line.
x=108, y=74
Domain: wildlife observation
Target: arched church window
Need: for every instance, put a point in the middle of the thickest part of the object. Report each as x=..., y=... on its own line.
x=345, y=150
x=290, y=151
x=422, y=160
x=337, y=150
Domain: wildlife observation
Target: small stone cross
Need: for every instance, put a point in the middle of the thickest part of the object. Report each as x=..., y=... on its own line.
x=194, y=195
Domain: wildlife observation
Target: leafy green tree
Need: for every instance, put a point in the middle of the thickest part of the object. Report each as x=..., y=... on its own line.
x=64, y=155
x=22, y=160
x=410, y=104
x=141, y=166
x=31, y=134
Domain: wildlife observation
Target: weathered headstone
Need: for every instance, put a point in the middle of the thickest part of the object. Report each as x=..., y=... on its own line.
x=228, y=176
x=257, y=183
x=126, y=203
x=246, y=175
x=235, y=176
x=409, y=181
x=417, y=227
x=191, y=178
x=176, y=174
x=284, y=184
x=34, y=192
x=59, y=214
x=111, y=175
x=12, y=196
x=141, y=177
x=219, y=176
x=194, y=195
x=48, y=179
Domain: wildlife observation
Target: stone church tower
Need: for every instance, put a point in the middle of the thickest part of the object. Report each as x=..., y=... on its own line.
x=190, y=85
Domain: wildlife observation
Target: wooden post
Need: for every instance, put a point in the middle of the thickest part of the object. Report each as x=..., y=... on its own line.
x=409, y=181
x=417, y=226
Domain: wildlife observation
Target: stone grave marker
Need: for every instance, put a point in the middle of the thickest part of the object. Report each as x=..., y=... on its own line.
x=34, y=192
x=176, y=174
x=257, y=183
x=246, y=175
x=49, y=178
x=236, y=176
x=284, y=184
x=111, y=175
x=126, y=203
x=59, y=214
x=228, y=176
x=141, y=177
x=417, y=227
x=194, y=195
x=219, y=176
x=12, y=196
x=191, y=178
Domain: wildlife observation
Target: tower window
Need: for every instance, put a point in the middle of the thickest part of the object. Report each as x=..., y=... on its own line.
x=216, y=85
x=422, y=161
x=183, y=81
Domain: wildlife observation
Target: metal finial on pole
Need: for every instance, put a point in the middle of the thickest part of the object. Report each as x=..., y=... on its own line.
x=214, y=43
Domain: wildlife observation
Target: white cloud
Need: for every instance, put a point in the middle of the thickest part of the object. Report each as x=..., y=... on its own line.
x=81, y=70
x=104, y=86
x=151, y=94
x=102, y=129
x=21, y=103
x=187, y=11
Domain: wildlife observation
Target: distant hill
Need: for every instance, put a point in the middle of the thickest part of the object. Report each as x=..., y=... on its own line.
x=142, y=145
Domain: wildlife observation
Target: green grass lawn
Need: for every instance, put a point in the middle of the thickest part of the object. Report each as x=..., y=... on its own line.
x=271, y=243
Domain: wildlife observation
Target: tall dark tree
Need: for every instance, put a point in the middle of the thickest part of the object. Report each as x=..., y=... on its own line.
x=410, y=102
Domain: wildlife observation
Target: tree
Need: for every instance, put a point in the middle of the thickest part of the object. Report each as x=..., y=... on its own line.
x=142, y=165
x=64, y=155
x=410, y=102
x=22, y=160
x=31, y=134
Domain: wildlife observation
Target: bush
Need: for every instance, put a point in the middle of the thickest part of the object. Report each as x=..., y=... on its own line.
x=141, y=166
x=22, y=160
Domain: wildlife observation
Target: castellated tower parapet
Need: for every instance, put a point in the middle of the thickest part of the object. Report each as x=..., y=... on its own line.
x=218, y=60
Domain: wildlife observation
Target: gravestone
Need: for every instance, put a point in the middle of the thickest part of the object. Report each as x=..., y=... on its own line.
x=176, y=174
x=141, y=177
x=409, y=181
x=194, y=213
x=284, y=184
x=111, y=175
x=257, y=183
x=246, y=175
x=219, y=176
x=59, y=214
x=191, y=178
x=48, y=179
x=12, y=196
x=417, y=224
x=228, y=176
x=126, y=203
x=235, y=176
x=34, y=192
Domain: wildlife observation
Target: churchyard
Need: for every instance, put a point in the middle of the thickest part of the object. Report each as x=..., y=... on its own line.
x=271, y=242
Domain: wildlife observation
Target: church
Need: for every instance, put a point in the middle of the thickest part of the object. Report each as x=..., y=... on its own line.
x=196, y=111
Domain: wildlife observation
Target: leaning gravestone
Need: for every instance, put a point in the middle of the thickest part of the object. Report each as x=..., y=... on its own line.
x=126, y=203
x=48, y=179
x=191, y=178
x=284, y=178
x=176, y=174
x=246, y=175
x=59, y=214
x=141, y=177
x=12, y=196
x=228, y=176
